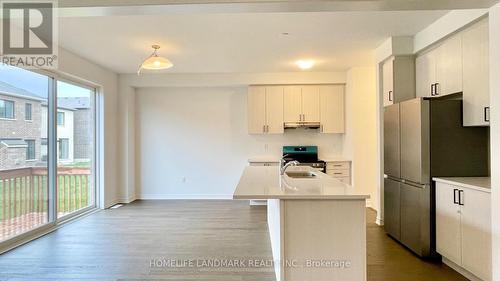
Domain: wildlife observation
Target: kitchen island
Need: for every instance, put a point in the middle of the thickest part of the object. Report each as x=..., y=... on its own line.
x=317, y=224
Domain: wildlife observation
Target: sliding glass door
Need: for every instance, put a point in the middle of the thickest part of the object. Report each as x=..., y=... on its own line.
x=47, y=150
x=75, y=148
x=24, y=191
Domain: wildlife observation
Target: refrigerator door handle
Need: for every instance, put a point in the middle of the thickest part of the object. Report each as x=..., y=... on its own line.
x=460, y=198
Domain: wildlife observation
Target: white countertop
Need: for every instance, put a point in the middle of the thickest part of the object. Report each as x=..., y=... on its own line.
x=477, y=183
x=264, y=159
x=276, y=159
x=261, y=182
x=334, y=159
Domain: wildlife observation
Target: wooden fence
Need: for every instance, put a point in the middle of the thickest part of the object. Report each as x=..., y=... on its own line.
x=24, y=196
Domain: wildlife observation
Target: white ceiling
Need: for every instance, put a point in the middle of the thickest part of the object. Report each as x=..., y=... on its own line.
x=240, y=42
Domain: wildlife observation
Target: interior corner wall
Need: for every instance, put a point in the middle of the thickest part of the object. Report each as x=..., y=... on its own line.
x=107, y=81
x=494, y=18
x=360, y=140
x=126, y=145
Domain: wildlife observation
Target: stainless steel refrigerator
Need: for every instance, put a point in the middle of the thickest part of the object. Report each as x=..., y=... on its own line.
x=424, y=138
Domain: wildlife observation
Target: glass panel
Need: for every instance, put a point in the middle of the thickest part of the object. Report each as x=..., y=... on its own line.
x=23, y=173
x=30, y=150
x=60, y=118
x=75, y=133
x=7, y=108
x=27, y=112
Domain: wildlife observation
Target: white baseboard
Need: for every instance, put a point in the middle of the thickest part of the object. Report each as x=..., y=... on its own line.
x=460, y=270
x=126, y=200
x=185, y=196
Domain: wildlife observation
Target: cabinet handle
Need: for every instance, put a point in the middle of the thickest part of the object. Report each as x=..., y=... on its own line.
x=390, y=96
x=300, y=117
x=263, y=128
x=487, y=114
x=460, y=198
x=432, y=89
x=455, y=196
x=436, y=89
x=267, y=128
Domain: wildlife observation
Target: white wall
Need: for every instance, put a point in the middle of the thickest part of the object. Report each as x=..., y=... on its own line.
x=361, y=130
x=495, y=135
x=193, y=142
x=107, y=83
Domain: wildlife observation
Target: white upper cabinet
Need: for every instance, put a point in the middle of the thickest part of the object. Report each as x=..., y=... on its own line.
x=439, y=71
x=425, y=66
x=293, y=103
x=475, y=44
x=459, y=65
x=449, y=67
x=265, y=110
x=387, y=81
x=274, y=110
x=398, y=79
x=310, y=104
x=332, y=109
x=301, y=104
x=256, y=110
x=270, y=107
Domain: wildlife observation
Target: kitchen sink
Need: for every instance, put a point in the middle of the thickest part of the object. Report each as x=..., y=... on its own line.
x=300, y=174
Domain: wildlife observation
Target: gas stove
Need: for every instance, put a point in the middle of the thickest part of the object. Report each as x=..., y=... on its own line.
x=305, y=155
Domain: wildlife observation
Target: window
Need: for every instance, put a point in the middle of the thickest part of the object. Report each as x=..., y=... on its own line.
x=63, y=148
x=60, y=118
x=6, y=109
x=43, y=149
x=27, y=112
x=30, y=149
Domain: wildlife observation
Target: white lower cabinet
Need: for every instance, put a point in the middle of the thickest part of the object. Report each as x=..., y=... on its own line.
x=463, y=228
x=340, y=170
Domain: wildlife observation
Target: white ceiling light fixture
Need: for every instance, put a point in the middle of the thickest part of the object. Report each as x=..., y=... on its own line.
x=305, y=64
x=155, y=62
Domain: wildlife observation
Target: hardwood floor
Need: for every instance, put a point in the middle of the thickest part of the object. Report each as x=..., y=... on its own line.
x=120, y=244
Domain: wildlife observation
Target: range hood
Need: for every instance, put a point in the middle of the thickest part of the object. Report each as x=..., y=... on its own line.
x=296, y=125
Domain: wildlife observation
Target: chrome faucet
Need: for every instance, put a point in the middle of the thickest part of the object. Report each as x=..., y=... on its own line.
x=284, y=166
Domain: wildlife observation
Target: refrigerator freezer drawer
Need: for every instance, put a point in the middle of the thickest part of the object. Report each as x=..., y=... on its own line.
x=392, y=208
x=416, y=218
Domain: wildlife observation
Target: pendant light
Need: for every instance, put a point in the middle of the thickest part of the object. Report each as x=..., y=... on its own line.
x=155, y=62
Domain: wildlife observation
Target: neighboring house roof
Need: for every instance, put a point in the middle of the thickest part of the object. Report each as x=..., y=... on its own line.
x=44, y=104
x=13, y=143
x=74, y=102
x=9, y=90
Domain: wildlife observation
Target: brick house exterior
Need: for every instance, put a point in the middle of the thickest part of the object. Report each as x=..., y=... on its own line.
x=19, y=129
x=83, y=119
x=17, y=132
